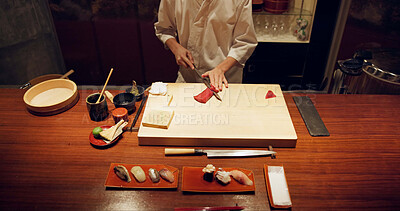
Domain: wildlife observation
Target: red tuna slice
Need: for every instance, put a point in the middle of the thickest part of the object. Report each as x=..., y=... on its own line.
x=204, y=96
x=213, y=88
x=270, y=94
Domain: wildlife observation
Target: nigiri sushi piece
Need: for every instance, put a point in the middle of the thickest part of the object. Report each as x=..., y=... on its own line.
x=167, y=175
x=138, y=173
x=154, y=175
x=122, y=173
x=208, y=173
x=241, y=177
x=222, y=177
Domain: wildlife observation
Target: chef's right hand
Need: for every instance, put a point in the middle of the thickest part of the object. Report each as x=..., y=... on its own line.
x=183, y=56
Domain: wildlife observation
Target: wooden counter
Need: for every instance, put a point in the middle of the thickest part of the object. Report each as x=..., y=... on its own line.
x=47, y=163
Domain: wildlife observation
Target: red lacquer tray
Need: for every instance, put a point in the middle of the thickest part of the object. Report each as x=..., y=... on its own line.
x=114, y=181
x=192, y=181
x=267, y=183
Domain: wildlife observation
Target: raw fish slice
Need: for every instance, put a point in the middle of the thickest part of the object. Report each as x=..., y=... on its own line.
x=241, y=177
x=122, y=173
x=213, y=88
x=222, y=177
x=204, y=96
x=270, y=94
x=138, y=173
x=167, y=175
x=154, y=175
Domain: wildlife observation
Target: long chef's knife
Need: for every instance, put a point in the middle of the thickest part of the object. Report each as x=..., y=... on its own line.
x=205, y=81
x=218, y=153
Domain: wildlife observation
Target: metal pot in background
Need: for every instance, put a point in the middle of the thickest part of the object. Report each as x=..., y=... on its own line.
x=346, y=77
x=381, y=74
x=376, y=71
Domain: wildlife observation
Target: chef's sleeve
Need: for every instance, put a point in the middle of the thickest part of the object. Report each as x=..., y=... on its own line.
x=165, y=27
x=244, y=36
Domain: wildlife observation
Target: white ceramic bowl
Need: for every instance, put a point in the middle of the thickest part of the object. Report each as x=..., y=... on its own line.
x=51, y=97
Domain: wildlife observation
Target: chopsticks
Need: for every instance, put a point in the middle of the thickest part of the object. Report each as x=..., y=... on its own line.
x=67, y=74
x=104, y=87
x=138, y=113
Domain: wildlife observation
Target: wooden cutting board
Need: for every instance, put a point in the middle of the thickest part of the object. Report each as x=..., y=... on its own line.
x=244, y=118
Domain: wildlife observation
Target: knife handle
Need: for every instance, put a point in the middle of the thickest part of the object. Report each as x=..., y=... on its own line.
x=177, y=151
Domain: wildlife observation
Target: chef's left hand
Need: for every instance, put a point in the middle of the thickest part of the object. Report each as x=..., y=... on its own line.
x=217, y=77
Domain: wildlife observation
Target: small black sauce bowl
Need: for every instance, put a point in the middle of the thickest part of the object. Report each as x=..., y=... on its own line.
x=125, y=100
x=141, y=92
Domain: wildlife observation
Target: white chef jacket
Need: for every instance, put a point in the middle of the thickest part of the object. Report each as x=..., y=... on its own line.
x=211, y=30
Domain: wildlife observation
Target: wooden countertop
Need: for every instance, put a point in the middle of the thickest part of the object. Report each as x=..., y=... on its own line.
x=48, y=162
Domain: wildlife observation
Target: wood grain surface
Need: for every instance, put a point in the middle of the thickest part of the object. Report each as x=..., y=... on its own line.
x=47, y=163
x=244, y=118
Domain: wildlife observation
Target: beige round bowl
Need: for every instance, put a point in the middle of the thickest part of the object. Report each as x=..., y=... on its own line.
x=51, y=97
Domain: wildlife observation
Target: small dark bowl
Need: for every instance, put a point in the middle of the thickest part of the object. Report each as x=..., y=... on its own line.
x=125, y=100
x=141, y=92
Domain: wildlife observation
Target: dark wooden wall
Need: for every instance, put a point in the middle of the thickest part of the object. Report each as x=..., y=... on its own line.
x=28, y=43
x=371, y=24
x=96, y=36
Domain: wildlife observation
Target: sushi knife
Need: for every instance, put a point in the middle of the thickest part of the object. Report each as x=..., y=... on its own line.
x=218, y=153
x=205, y=81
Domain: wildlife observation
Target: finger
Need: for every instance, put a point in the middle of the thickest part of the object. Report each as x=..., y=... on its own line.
x=225, y=82
x=212, y=81
x=219, y=83
x=179, y=61
x=183, y=64
x=206, y=74
x=190, y=57
x=189, y=60
x=188, y=63
x=216, y=81
x=216, y=85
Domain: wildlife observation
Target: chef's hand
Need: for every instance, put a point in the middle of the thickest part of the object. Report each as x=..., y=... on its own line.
x=217, y=77
x=183, y=56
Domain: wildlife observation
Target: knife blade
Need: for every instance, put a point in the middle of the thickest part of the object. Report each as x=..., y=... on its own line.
x=218, y=153
x=207, y=83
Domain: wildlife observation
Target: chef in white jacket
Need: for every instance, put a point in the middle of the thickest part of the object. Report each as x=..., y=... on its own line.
x=216, y=35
